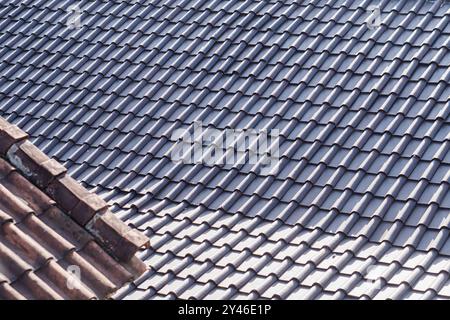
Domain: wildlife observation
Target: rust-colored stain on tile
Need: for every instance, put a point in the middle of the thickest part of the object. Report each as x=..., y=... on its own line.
x=57, y=240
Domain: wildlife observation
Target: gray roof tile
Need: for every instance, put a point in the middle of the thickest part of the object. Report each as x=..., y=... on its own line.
x=363, y=116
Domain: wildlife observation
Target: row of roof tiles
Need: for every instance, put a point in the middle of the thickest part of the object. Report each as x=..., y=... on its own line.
x=43, y=234
x=367, y=110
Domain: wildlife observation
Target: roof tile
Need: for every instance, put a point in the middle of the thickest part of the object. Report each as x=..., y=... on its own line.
x=9, y=135
x=363, y=120
x=42, y=248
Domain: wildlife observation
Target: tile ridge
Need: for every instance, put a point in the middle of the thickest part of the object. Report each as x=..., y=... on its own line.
x=87, y=209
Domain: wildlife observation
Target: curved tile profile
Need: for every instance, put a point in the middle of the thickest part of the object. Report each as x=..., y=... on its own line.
x=359, y=207
x=46, y=251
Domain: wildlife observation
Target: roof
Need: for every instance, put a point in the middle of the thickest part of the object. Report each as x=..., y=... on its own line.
x=360, y=205
x=57, y=240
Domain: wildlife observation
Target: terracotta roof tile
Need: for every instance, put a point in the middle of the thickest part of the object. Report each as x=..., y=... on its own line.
x=45, y=250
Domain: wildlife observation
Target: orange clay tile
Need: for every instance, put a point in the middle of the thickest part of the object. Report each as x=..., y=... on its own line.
x=46, y=249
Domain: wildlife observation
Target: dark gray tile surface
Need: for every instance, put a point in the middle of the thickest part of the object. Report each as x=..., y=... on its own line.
x=361, y=205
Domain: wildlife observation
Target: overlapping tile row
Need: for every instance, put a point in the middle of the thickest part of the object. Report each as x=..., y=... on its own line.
x=205, y=255
x=360, y=207
x=53, y=232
